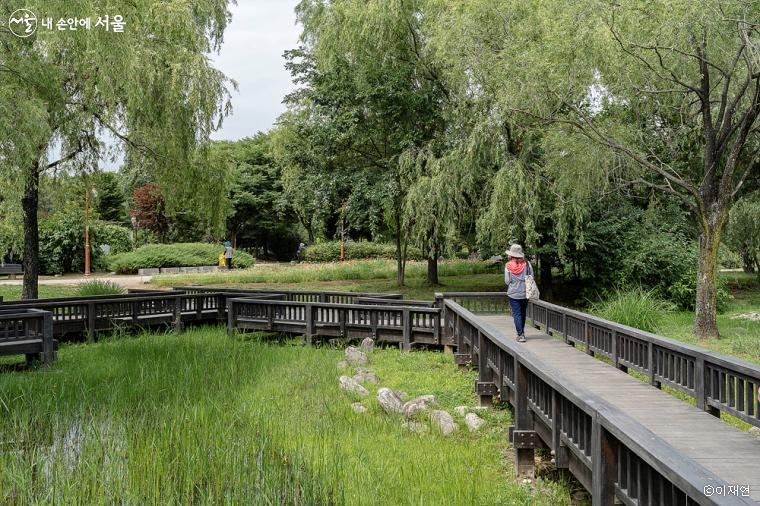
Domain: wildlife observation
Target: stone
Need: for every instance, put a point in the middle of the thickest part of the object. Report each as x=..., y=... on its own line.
x=417, y=405
x=460, y=410
x=401, y=394
x=755, y=432
x=350, y=385
x=751, y=316
x=366, y=376
x=473, y=421
x=148, y=272
x=368, y=345
x=416, y=427
x=356, y=356
x=389, y=401
x=342, y=364
x=358, y=407
x=444, y=421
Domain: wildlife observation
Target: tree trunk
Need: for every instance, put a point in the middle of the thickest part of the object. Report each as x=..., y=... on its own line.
x=545, y=279
x=31, y=261
x=705, y=322
x=400, y=252
x=748, y=262
x=432, y=267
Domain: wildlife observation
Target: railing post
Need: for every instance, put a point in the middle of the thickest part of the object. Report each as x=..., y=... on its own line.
x=231, y=317
x=702, y=387
x=603, y=464
x=373, y=318
x=406, y=322
x=48, y=346
x=90, y=321
x=614, y=349
x=270, y=317
x=310, y=327
x=178, y=312
x=559, y=450
x=652, y=358
x=342, y=321
x=564, y=328
x=485, y=374
x=524, y=457
x=199, y=301
x=221, y=306
x=587, y=338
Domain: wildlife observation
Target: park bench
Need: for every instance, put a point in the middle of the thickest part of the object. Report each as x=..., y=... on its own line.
x=11, y=270
x=28, y=332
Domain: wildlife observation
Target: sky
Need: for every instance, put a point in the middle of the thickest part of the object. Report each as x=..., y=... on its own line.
x=261, y=30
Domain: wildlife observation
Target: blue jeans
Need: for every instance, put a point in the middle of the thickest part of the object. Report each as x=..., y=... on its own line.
x=519, y=311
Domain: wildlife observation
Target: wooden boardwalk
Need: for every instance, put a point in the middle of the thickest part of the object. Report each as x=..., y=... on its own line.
x=724, y=450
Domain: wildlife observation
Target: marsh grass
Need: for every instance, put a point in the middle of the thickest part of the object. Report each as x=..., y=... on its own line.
x=350, y=270
x=197, y=417
x=99, y=287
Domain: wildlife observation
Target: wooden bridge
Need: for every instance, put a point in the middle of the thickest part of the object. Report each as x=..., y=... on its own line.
x=592, y=392
x=624, y=438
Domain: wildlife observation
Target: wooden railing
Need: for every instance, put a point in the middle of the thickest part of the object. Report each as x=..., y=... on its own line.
x=405, y=325
x=87, y=316
x=29, y=332
x=609, y=452
x=716, y=382
x=295, y=295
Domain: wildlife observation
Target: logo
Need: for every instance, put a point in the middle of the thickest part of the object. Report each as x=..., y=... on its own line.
x=22, y=23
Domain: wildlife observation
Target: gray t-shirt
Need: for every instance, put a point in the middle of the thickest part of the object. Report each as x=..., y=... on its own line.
x=516, y=282
x=228, y=252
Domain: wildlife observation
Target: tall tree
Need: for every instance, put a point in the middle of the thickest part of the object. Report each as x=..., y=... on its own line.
x=152, y=87
x=368, y=84
x=669, y=88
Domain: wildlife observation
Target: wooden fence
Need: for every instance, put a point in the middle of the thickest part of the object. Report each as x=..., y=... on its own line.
x=28, y=332
x=611, y=454
x=716, y=382
x=405, y=325
x=295, y=295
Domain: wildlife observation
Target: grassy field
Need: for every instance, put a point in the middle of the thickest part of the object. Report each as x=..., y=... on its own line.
x=200, y=418
x=358, y=270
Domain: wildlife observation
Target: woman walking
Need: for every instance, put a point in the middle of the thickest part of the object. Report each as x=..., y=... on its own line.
x=515, y=272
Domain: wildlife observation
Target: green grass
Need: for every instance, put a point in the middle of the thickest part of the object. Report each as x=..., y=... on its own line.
x=638, y=308
x=200, y=418
x=13, y=292
x=99, y=287
x=308, y=273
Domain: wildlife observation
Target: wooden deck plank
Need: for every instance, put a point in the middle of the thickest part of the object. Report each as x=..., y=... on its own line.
x=718, y=446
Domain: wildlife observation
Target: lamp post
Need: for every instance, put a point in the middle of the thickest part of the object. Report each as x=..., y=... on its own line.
x=87, y=228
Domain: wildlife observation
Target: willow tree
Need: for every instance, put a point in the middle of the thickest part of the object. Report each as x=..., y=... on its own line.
x=669, y=88
x=152, y=88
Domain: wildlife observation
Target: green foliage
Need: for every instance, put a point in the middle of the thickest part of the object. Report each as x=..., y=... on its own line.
x=62, y=243
x=99, y=287
x=637, y=308
x=175, y=255
x=330, y=251
x=117, y=237
x=744, y=231
x=110, y=200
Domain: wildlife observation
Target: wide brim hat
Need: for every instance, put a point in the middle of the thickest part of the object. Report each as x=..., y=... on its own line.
x=515, y=251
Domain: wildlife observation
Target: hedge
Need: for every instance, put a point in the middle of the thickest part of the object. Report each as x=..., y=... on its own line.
x=194, y=254
x=330, y=251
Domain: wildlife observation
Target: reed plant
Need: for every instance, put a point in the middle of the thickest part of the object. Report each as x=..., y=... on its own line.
x=200, y=418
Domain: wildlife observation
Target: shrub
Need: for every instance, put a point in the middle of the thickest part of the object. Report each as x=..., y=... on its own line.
x=117, y=237
x=175, y=255
x=330, y=251
x=99, y=287
x=638, y=308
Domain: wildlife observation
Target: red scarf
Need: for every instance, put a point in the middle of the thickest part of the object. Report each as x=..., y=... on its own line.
x=516, y=266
